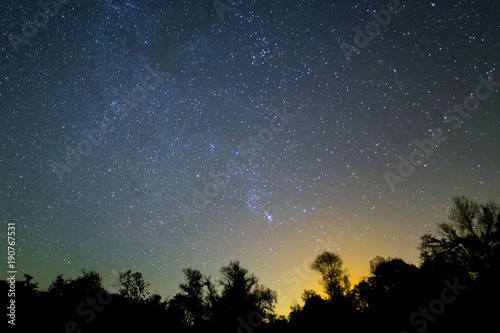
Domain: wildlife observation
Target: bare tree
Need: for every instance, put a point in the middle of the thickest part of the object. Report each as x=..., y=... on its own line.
x=133, y=285
x=469, y=243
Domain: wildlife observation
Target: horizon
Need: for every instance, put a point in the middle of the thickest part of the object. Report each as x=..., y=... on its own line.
x=304, y=279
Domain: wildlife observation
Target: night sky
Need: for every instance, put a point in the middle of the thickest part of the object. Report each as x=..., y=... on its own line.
x=160, y=135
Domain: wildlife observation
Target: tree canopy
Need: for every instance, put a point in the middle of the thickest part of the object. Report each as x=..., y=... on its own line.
x=334, y=280
x=454, y=289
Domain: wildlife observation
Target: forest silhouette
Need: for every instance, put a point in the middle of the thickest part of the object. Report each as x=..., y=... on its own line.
x=455, y=288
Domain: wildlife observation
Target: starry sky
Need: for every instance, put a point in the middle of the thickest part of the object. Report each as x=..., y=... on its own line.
x=160, y=135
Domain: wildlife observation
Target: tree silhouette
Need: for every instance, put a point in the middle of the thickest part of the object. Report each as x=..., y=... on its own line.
x=469, y=243
x=193, y=295
x=237, y=283
x=155, y=301
x=89, y=283
x=334, y=280
x=194, y=301
x=394, y=296
x=27, y=283
x=466, y=249
x=242, y=295
x=58, y=286
x=308, y=294
x=132, y=285
x=295, y=310
x=391, y=281
x=212, y=297
x=265, y=300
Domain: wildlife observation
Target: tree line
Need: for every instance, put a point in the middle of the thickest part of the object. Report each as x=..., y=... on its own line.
x=454, y=289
